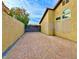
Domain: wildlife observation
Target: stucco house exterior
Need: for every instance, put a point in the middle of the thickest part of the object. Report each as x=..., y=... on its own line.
x=61, y=20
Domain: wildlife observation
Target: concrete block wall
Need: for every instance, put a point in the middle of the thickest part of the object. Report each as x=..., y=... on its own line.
x=12, y=29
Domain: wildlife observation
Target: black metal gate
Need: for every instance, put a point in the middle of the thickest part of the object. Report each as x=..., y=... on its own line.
x=33, y=28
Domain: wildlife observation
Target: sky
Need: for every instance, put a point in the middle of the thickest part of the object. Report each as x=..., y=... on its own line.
x=35, y=8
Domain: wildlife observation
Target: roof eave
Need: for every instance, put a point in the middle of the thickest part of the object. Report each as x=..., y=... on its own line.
x=45, y=14
x=50, y=9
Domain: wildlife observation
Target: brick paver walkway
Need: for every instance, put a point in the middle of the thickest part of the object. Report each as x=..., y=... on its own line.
x=35, y=45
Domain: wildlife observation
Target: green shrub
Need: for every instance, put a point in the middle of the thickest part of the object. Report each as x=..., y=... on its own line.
x=20, y=15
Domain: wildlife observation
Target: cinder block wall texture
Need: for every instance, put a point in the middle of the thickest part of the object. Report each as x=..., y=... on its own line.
x=12, y=29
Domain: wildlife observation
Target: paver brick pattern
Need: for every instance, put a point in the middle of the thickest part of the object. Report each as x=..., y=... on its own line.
x=35, y=45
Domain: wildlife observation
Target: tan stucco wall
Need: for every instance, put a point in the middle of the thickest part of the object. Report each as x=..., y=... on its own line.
x=68, y=25
x=47, y=23
x=63, y=28
x=51, y=17
x=12, y=29
x=44, y=25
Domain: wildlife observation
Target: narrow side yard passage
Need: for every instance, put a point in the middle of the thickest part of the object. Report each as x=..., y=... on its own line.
x=35, y=45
